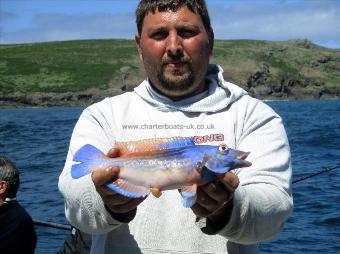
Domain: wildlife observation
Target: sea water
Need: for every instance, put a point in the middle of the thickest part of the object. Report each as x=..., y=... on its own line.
x=37, y=140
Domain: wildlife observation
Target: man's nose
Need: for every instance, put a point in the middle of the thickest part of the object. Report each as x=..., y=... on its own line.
x=174, y=45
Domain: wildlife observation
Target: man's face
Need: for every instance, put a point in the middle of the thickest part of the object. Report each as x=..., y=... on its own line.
x=3, y=188
x=175, y=49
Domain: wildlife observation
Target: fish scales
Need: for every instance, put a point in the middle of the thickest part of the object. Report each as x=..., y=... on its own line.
x=163, y=164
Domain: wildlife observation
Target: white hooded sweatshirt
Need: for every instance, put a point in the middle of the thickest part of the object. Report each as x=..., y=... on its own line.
x=224, y=113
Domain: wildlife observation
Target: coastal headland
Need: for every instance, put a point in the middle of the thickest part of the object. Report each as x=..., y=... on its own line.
x=79, y=73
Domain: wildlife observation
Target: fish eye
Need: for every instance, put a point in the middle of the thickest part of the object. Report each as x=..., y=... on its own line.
x=223, y=148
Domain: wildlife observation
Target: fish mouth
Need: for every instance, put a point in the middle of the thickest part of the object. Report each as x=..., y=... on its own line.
x=240, y=155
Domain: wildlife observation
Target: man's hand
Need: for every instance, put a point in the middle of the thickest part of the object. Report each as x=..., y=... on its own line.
x=214, y=201
x=120, y=207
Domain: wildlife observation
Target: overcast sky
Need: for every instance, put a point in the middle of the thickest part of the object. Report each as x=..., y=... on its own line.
x=23, y=21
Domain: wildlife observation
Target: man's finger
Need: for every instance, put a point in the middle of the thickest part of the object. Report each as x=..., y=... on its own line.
x=101, y=177
x=114, y=152
x=131, y=204
x=215, y=190
x=200, y=211
x=116, y=199
x=230, y=181
x=203, y=199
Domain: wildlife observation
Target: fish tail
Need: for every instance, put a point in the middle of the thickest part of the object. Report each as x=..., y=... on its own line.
x=87, y=156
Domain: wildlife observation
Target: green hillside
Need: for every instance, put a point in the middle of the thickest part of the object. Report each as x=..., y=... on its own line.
x=64, y=66
x=264, y=68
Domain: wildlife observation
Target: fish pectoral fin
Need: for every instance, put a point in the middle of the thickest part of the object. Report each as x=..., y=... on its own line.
x=189, y=194
x=127, y=189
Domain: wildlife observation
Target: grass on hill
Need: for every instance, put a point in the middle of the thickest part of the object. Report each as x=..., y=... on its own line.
x=79, y=65
x=64, y=66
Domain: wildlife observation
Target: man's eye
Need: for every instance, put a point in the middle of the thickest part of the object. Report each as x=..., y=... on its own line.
x=159, y=35
x=187, y=33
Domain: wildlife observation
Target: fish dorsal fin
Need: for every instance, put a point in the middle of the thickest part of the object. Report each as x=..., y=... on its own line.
x=147, y=146
x=177, y=143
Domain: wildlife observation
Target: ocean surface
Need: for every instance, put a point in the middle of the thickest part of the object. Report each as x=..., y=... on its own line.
x=37, y=140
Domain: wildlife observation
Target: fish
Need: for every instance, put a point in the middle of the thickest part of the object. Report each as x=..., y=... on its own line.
x=160, y=164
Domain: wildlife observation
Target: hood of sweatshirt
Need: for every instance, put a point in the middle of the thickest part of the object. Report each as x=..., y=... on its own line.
x=218, y=96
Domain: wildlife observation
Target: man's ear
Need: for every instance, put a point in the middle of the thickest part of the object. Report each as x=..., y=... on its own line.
x=211, y=40
x=138, y=46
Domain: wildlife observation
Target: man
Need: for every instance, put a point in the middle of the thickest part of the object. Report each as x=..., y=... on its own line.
x=17, y=234
x=182, y=96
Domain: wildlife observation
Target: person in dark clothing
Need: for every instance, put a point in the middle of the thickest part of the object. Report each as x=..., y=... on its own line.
x=77, y=243
x=17, y=233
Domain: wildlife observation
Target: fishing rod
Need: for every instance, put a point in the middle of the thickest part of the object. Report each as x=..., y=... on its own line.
x=51, y=225
x=68, y=227
x=324, y=170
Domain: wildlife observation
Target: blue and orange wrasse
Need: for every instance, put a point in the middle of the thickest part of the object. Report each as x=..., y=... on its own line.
x=154, y=165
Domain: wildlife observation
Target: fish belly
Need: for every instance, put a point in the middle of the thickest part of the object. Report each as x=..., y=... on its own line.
x=163, y=179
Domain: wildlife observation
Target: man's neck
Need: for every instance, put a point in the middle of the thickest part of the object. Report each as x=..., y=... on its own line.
x=204, y=86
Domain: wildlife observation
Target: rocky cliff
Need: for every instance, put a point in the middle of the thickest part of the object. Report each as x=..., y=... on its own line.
x=73, y=73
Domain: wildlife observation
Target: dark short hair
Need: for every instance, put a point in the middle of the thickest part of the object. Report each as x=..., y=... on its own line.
x=10, y=174
x=196, y=6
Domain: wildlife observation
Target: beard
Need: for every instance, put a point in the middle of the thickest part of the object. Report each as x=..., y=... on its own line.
x=176, y=82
